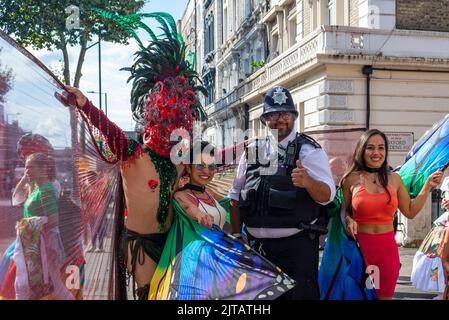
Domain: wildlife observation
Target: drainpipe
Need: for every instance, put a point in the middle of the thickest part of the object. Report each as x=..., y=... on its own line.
x=367, y=71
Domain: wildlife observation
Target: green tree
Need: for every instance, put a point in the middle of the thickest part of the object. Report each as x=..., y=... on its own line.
x=6, y=80
x=42, y=24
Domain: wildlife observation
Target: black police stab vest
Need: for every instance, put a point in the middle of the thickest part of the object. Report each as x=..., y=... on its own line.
x=271, y=200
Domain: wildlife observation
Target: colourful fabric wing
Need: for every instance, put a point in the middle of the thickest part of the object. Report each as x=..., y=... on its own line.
x=33, y=120
x=226, y=203
x=206, y=264
x=429, y=154
x=342, y=271
x=5, y=265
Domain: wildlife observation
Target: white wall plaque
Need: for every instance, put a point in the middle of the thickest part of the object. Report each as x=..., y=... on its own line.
x=400, y=141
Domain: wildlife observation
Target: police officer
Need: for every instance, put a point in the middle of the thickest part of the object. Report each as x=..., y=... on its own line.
x=280, y=208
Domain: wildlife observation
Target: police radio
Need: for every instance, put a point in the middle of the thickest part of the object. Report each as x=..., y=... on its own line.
x=291, y=152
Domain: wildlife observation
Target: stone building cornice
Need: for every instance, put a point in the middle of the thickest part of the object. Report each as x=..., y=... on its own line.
x=271, y=14
x=232, y=53
x=335, y=45
x=415, y=63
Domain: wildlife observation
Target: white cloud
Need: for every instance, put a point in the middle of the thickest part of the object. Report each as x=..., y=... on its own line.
x=113, y=57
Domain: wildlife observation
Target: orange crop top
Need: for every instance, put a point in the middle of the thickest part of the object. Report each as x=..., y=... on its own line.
x=374, y=208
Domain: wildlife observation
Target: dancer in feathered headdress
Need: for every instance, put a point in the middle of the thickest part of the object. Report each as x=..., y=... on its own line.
x=163, y=99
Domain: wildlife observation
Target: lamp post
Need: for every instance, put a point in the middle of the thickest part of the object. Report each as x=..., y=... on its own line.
x=105, y=100
x=99, y=67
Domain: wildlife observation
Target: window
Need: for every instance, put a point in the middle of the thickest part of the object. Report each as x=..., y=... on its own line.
x=255, y=127
x=212, y=34
x=247, y=8
x=234, y=15
x=209, y=34
x=225, y=24
x=346, y=13
x=274, y=46
x=210, y=91
x=331, y=12
x=300, y=120
x=312, y=15
x=209, y=84
x=292, y=31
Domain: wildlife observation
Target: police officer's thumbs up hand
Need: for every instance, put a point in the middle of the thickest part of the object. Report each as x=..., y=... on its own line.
x=300, y=177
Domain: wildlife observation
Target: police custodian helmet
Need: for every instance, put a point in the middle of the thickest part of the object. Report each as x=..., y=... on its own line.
x=278, y=99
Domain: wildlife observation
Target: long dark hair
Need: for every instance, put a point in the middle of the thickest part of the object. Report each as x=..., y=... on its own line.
x=43, y=161
x=358, y=161
x=202, y=146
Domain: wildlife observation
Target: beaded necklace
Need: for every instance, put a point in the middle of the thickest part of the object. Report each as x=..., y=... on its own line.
x=167, y=176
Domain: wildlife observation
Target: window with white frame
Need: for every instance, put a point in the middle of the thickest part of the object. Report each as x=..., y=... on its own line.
x=247, y=8
x=346, y=13
x=225, y=22
x=274, y=45
x=331, y=12
x=234, y=15
x=312, y=15
x=209, y=34
x=209, y=84
x=292, y=26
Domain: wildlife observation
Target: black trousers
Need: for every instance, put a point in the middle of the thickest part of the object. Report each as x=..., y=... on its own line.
x=298, y=257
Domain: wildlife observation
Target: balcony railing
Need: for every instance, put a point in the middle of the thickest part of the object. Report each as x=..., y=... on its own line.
x=294, y=58
x=332, y=40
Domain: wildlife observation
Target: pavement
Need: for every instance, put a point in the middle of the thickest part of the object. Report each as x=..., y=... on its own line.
x=98, y=269
x=98, y=263
x=404, y=288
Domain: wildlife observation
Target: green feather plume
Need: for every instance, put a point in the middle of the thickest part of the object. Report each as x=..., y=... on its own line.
x=164, y=57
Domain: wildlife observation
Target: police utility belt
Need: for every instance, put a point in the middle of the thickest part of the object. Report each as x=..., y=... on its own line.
x=271, y=200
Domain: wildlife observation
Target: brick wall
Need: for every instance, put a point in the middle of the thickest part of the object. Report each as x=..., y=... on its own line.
x=431, y=15
x=354, y=13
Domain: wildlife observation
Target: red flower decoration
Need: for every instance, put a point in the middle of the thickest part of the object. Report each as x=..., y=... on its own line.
x=168, y=108
x=153, y=184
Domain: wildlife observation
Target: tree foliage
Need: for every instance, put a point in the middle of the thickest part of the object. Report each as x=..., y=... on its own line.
x=41, y=24
x=6, y=80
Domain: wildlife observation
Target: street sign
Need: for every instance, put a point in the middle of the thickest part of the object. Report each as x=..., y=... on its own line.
x=400, y=141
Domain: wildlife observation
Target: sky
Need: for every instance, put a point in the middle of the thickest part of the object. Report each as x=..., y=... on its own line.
x=113, y=58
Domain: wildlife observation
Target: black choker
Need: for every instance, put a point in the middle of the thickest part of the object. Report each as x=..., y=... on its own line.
x=371, y=170
x=194, y=187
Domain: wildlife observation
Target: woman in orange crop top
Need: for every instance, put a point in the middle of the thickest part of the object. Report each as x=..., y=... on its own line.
x=372, y=194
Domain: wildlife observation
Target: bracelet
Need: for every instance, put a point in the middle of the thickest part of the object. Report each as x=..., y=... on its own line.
x=237, y=235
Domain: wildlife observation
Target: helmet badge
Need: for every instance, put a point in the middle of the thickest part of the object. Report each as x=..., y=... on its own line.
x=279, y=96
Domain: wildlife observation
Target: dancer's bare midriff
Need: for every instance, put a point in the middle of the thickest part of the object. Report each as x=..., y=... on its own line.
x=142, y=204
